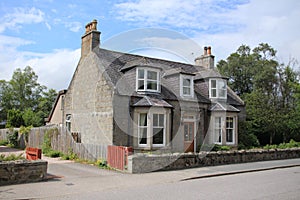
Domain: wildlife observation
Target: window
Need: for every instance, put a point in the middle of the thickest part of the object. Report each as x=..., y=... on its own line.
x=158, y=129
x=218, y=130
x=151, y=129
x=228, y=125
x=218, y=88
x=229, y=130
x=142, y=129
x=186, y=86
x=147, y=80
x=68, y=122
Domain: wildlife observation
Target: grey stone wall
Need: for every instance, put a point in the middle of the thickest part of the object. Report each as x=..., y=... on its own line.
x=89, y=101
x=22, y=171
x=142, y=163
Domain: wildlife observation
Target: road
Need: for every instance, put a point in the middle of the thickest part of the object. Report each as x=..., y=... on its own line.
x=261, y=180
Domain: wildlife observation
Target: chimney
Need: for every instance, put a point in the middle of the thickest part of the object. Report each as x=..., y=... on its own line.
x=206, y=60
x=90, y=39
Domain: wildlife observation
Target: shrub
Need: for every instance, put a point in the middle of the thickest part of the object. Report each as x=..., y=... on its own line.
x=13, y=139
x=102, y=164
x=53, y=154
x=70, y=155
x=11, y=157
x=291, y=144
x=3, y=142
x=221, y=148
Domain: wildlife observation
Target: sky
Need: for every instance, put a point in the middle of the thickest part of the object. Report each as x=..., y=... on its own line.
x=46, y=34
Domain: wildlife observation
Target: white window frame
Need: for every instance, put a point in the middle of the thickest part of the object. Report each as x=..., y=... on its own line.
x=150, y=127
x=191, y=86
x=139, y=126
x=231, y=128
x=164, y=129
x=146, y=80
x=218, y=89
x=217, y=130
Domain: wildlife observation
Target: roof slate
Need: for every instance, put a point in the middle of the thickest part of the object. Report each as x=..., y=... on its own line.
x=116, y=64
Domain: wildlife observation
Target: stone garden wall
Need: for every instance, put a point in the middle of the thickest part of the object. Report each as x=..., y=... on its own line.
x=141, y=163
x=22, y=171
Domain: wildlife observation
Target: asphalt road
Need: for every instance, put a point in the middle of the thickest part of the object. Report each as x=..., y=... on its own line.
x=275, y=184
x=260, y=180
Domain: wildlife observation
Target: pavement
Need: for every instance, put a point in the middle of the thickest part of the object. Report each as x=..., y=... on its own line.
x=68, y=177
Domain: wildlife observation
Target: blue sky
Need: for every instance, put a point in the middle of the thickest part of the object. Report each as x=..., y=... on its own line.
x=46, y=35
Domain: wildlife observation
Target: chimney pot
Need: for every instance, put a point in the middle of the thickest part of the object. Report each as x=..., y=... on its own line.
x=209, y=50
x=205, y=51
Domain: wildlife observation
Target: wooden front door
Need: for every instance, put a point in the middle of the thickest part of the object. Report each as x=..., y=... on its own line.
x=188, y=132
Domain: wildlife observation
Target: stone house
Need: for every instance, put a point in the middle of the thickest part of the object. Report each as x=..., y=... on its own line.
x=147, y=103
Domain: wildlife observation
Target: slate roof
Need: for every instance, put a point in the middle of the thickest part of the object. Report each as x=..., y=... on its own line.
x=117, y=63
x=147, y=101
x=223, y=107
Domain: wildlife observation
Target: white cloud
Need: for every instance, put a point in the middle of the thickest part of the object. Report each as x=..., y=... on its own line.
x=73, y=26
x=196, y=14
x=20, y=16
x=54, y=69
x=225, y=25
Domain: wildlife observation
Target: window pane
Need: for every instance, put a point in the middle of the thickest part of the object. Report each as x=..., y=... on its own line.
x=229, y=135
x=213, y=93
x=222, y=93
x=186, y=91
x=186, y=82
x=151, y=75
x=143, y=119
x=151, y=85
x=158, y=135
x=213, y=84
x=155, y=119
x=142, y=135
x=222, y=84
x=141, y=85
x=229, y=122
x=141, y=73
x=219, y=136
x=186, y=132
x=161, y=120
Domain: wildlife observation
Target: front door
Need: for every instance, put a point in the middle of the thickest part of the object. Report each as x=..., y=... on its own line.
x=188, y=131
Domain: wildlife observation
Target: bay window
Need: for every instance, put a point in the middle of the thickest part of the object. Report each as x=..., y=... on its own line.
x=229, y=130
x=224, y=130
x=218, y=130
x=151, y=129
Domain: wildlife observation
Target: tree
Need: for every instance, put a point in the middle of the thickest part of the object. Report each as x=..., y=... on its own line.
x=25, y=89
x=23, y=100
x=14, y=118
x=240, y=68
x=269, y=90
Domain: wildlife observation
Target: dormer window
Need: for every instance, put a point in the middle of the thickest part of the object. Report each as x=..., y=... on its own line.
x=186, y=86
x=147, y=80
x=218, y=88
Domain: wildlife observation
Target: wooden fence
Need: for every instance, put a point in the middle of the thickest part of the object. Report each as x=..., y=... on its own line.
x=117, y=156
x=62, y=140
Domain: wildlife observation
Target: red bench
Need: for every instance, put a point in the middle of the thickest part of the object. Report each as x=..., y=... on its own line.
x=33, y=153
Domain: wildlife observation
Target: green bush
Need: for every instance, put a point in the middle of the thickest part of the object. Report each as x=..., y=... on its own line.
x=102, y=164
x=291, y=144
x=3, y=142
x=221, y=148
x=70, y=155
x=53, y=154
x=11, y=157
x=13, y=139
